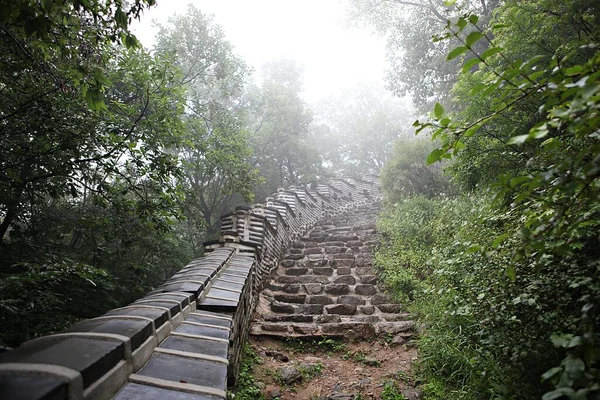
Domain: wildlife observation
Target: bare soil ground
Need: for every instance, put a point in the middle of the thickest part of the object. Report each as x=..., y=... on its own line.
x=332, y=368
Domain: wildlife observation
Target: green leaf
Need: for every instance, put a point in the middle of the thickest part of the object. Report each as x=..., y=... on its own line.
x=473, y=38
x=435, y=156
x=438, y=111
x=558, y=393
x=519, y=139
x=574, y=366
x=589, y=90
x=121, y=18
x=511, y=273
x=456, y=52
x=470, y=64
x=473, y=19
x=574, y=70
x=550, y=373
x=499, y=239
x=490, y=52
x=461, y=23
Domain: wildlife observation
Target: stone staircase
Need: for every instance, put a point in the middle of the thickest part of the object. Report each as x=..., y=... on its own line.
x=325, y=285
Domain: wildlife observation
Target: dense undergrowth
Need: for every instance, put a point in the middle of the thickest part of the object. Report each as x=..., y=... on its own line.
x=500, y=262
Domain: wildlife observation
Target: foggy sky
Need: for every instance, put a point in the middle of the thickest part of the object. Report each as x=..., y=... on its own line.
x=313, y=32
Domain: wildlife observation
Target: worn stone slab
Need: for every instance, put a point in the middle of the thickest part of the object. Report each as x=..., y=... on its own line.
x=202, y=330
x=196, y=345
x=341, y=309
x=296, y=271
x=136, y=391
x=186, y=370
x=32, y=387
x=137, y=330
x=224, y=294
x=288, y=318
x=337, y=289
x=313, y=279
x=184, y=298
x=283, y=308
x=174, y=308
x=95, y=357
x=351, y=300
x=225, y=284
x=345, y=279
x=218, y=305
x=208, y=320
x=195, y=288
x=159, y=317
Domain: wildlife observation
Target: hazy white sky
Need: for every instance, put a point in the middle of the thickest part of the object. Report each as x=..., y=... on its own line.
x=313, y=32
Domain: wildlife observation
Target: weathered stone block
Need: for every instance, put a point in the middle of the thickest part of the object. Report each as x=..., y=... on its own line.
x=344, y=270
x=368, y=279
x=287, y=263
x=314, y=279
x=371, y=319
x=350, y=300
x=313, y=288
x=290, y=298
x=364, y=271
x=323, y=271
x=333, y=249
x=294, y=257
x=343, y=256
x=328, y=319
x=296, y=271
x=298, y=244
x=274, y=287
x=291, y=288
x=398, y=316
x=316, y=250
x=342, y=263
x=337, y=289
x=347, y=279
x=296, y=251
x=274, y=327
x=389, y=308
x=394, y=327
x=288, y=279
x=354, y=243
x=365, y=290
x=310, y=309
x=342, y=238
x=287, y=318
x=380, y=299
x=313, y=263
x=282, y=308
x=305, y=329
x=338, y=244
x=341, y=309
x=367, y=310
x=319, y=299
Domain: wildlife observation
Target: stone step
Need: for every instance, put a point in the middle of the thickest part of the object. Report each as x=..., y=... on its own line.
x=366, y=327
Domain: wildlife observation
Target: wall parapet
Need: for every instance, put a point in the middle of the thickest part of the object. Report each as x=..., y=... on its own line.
x=183, y=340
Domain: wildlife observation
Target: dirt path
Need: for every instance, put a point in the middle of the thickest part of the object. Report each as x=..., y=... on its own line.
x=334, y=369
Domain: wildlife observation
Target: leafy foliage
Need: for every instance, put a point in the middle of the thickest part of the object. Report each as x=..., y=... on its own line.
x=512, y=288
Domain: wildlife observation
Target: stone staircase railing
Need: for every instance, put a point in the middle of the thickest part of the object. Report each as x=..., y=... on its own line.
x=185, y=339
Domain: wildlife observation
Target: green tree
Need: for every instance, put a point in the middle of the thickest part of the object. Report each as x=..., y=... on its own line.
x=215, y=152
x=285, y=152
x=518, y=290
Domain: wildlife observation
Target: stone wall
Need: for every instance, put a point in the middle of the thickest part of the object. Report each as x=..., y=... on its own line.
x=184, y=340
